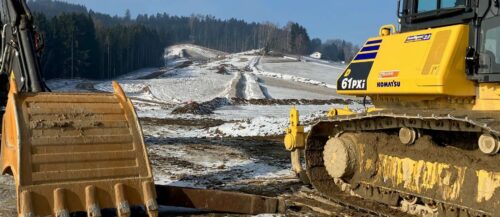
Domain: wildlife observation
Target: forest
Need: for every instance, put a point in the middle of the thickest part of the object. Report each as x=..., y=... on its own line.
x=81, y=43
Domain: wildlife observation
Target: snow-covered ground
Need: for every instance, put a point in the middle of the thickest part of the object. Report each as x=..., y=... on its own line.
x=190, y=51
x=244, y=75
x=304, y=72
x=207, y=148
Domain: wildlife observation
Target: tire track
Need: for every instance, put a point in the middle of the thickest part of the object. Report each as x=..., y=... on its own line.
x=241, y=87
x=253, y=88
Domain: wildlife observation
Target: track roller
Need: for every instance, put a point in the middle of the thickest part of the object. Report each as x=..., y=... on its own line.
x=489, y=144
x=340, y=157
x=410, y=199
x=408, y=136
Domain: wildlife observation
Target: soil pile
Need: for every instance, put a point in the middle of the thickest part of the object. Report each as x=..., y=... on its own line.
x=205, y=108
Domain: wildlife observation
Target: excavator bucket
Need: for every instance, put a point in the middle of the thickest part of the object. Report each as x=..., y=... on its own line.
x=76, y=153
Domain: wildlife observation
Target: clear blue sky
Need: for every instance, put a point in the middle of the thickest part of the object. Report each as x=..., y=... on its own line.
x=351, y=20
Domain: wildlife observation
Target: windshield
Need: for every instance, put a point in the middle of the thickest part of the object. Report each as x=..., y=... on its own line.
x=432, y=5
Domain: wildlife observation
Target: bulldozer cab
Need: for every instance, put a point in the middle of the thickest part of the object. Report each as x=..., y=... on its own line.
x=483, y=52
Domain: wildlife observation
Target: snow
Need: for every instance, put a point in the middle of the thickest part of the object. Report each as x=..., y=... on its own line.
x=192, y=84
x=283, y=79
x=241, y=121
x=137, y=74
x=258, y=126
x=295, y=78
x=280, y=89
x=294, y=70
x=265, y=120
x=248, y=75
x=253, y=89
x=179, y=51
x=307, y=72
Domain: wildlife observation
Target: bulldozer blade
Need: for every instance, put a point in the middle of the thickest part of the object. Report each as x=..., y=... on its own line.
x=76, y=153
x=218, y=201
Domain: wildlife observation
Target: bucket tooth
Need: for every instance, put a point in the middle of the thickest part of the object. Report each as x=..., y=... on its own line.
x=93, y=209
x=26, y=206
x=60, y=203
x=122, y=206
x=150, y=198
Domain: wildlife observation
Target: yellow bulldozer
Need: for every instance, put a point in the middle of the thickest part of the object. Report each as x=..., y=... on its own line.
x=430, y=144
x=74, y=153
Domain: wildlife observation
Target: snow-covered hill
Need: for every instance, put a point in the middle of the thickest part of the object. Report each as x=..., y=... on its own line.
x=213, y=74
x=190, y=51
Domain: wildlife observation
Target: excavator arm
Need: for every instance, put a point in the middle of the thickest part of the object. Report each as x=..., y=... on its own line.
x=20, y=58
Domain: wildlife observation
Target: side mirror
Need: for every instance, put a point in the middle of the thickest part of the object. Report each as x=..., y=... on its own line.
x=472, y=61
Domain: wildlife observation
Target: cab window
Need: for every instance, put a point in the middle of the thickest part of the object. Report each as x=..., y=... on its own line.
x=452, y=3
x=432, y=5
x=427, y=5
x=490, y=48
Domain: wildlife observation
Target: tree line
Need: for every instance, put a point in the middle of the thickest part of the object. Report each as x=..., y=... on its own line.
x=76, y=46
x=85, y=44
x=335, y=49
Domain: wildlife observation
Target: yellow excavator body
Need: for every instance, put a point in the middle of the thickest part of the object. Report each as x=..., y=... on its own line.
x=75, y=153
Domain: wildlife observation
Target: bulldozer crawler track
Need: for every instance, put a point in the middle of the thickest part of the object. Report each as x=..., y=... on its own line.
x=444, y=121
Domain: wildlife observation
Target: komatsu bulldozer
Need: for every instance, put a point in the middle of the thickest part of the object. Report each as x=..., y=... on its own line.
x=67, y=152
x=430, y=144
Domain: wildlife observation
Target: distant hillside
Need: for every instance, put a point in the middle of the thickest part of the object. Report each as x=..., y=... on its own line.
x=83, y=43
x=55, y=8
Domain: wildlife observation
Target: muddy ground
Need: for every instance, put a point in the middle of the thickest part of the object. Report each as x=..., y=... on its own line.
x=7, y=197
x=233, y=164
